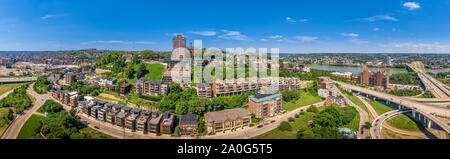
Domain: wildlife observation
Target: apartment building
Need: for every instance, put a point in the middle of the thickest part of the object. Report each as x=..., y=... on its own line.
x=101, y=115
x=188, y=124
x=144, y=86
x=94, y=111
x=167, y=123
x=154, y=123
x=379, y=78
x=111, y=115
x=131, y=119
x=143, y=120
x=70, y=77
x=265, y=105
x=221, y=121
x=120, y=119
x=204, y=90
x=325, y=82
x=125, y=88
x=236, y=86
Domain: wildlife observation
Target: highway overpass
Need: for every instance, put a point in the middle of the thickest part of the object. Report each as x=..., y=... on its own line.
x=436, y=87
x=420, y=111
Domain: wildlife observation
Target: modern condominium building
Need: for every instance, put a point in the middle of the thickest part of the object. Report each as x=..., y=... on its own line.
x=265, y=105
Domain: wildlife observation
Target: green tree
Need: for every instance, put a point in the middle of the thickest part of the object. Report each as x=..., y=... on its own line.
x=141, y=71
x=129, y=71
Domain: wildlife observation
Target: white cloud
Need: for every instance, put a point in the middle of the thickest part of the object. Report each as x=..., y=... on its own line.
x=235, y=35
x=350, y=34
x=379, y=17
x=303, y=20
x=204, y=33
x=289, y=19
x=262, y=39
x=357, y=41
x=376, y=29
x=276, y=37
x=411, y=5
x=48, y=16
x=118, y=42
x=306, y=38
x=435, y=47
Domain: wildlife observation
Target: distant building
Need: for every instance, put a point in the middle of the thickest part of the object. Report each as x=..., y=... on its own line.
x=70, y=77
x=125, y=88
x=144, y=86
x=204, y=90
x=265, y=105
x=380, y=78
x=179, y=41
x=339, y=100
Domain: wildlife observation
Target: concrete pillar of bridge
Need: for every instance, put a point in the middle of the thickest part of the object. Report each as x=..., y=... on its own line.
x=427, y=122
x=413, y=113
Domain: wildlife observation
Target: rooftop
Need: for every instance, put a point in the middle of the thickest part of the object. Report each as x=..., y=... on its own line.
x=263, y=97
x=188, y=119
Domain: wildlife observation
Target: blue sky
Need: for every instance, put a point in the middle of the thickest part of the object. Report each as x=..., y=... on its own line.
x=360, y=26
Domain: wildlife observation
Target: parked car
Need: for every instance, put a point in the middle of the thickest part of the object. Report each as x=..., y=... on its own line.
x=260, y=126
x=96, y=127
x=272, y=121
x=266, y=123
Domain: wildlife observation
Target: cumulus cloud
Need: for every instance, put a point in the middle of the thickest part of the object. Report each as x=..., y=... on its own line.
x=411, y=5
x=306, y=38
x=379, y=17
x=376, y=29
x=350, y=34
x=234, y=35
x=262, y=39
x=204, y=33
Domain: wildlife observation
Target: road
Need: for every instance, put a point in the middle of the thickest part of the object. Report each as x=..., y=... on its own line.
x=363, y=118
x=425, y=110
x=406, y=132
x=13, y=130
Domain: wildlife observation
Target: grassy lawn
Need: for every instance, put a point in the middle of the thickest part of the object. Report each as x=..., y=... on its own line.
x=357, y=102
x=155, y=72
x=94, y=134
x=3, y=121
x=388, y=134
x=27, y=131
x=301, y=122
x=7, y=87
x=305, y=99
x=404, y=122
x=379, y=108
x=354, y=124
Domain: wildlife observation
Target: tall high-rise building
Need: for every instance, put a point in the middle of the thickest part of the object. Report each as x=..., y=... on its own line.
x=365, y=77
x=179, y=41
x=380, y=78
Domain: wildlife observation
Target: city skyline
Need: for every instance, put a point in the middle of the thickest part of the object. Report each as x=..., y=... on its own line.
x=294, y=27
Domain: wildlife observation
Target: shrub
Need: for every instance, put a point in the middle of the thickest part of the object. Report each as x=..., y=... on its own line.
x=297, y=115
x=291, y=119
x=285, y=126
x=312, y=109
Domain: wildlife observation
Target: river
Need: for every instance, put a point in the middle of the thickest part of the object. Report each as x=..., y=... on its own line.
x=356, y=70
